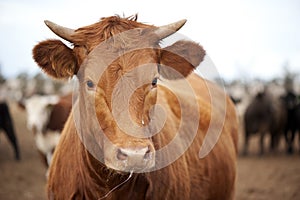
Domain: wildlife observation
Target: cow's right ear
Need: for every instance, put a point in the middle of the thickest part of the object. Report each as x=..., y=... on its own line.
x=55, y=59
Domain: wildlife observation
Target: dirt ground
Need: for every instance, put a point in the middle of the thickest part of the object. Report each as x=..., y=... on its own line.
x=24, y=179
x=272, y=176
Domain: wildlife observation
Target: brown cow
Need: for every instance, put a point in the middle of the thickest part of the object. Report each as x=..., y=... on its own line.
x=151, y=130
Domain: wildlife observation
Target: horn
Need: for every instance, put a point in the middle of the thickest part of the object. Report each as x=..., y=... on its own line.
x=166, y=30
x=61, y=31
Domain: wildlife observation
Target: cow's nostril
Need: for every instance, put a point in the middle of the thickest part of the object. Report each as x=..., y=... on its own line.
x=121, y=155
x=148, y=154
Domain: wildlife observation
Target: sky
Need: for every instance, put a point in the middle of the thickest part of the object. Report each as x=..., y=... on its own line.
x=243, y=39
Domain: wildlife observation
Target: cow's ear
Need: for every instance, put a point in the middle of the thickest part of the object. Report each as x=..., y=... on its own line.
x=180, y=59
x=55, y=59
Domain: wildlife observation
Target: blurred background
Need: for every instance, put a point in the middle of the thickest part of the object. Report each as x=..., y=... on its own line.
x=253, y=51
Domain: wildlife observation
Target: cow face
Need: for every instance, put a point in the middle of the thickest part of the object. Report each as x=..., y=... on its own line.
x=38, y=109
x=118, y=62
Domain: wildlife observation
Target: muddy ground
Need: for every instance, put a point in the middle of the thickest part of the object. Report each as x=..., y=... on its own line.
x=272, y=176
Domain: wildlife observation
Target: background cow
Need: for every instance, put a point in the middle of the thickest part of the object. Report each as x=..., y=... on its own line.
x=264, y=115
x=46, y=116
x=292, y=106
x=6, y=124
x=133, y=137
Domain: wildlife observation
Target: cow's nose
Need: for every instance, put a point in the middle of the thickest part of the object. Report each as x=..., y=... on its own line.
x=137, y=154
x=136, y=158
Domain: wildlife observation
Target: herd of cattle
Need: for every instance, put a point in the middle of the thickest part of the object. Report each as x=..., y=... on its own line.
x=51, y=118
x=268, y=109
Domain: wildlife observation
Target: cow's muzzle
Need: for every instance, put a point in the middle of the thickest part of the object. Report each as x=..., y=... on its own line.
x=131, y=159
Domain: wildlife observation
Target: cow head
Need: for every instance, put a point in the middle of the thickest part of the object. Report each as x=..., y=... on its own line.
x=38, y=109
x=118, y=62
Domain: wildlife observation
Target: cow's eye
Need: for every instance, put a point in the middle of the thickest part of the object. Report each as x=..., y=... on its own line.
x=154, y=82
x=90, y=84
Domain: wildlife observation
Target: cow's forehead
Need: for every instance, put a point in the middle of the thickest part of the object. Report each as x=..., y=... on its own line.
x=127, y=50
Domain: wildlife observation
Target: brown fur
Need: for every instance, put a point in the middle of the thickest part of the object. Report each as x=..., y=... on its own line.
x=55, y=59
x=188, y=178
x=169, y=57
x=90, y=36
x=60, y=113
x=76, y=174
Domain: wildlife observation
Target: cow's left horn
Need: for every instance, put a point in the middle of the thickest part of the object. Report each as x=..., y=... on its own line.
x=166, y=30
x=61, y=31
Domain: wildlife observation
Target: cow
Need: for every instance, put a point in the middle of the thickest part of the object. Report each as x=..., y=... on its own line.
x=265, y=114
x=292, y=125
x=297, y=122
x=6, y=124
x=127, y=122
x=46, y=116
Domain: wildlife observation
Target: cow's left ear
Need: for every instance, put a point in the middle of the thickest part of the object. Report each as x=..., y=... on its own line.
x=183, y=57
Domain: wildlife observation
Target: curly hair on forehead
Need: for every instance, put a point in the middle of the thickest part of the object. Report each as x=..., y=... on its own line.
x=92, y=35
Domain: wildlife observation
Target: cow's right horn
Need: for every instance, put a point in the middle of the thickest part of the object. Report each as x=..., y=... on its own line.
x=61, y=31
x=166, y=30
